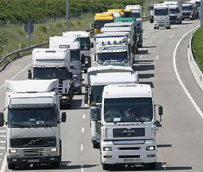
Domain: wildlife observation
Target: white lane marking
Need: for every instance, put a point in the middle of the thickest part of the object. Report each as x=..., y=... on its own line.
x=2, y=131
x=190, y=25
x=163, y=165
x=83, y=129
x=17, y=74
x=2, y=148
x=151, y=42
x=157, y=57
x=3, y=167
x=2, y=142
x=140, y=57
x=82, y=168
x=148, y=45
x=147, y=36
x=1, y=153
x=179, y=79
x=83, y=116
x=2, y=135
x=157, y=37
x=81, y=147
x=171, y=36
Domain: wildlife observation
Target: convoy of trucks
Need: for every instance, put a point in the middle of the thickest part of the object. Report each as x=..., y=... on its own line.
x=122, y=111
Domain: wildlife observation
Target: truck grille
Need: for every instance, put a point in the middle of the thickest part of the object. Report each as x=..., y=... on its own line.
x=129, y=148
x=173, y=17
x=33, y=142
x=186, y=14
x=129, y=156
x=33, y=152
x=133, y=132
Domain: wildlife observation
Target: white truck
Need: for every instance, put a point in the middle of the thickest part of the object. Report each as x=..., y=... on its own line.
x=189, y=10
x=198, y=7
x=98, y=77
x=73, y=44
x=151, y=12
x=85, y=46
x=161, y=16
x=136, y=9
x=33, y=123
x=112, y=50
x=128, y=126
x=54, y=64
x=175, y=8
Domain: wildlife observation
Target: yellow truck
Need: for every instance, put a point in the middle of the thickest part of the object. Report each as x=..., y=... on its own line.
x=100, y=19
x=117, y=10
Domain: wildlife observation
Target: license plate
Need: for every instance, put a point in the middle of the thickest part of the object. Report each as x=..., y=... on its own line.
x=33, y=160
x=132, y=160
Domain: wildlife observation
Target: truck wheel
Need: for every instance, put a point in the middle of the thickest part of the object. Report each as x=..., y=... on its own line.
x=154, y=27
x=96, y=145
x=56, y=164
x=105, y=166
x=152, y=166
x=11, y=166
x=157, y=27
x=85, y=70
x=151, y=21
x=80, y=92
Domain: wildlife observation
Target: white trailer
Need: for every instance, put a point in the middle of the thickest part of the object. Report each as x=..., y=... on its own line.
x=98, y=77
x=136, y=9
x=85, y=46
x=33, y=122
x=128, y=126
x=161, y=16
x=53, y=64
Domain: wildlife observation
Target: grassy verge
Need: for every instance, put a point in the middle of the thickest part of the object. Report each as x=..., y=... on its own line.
x=197, y=47
x=13, y=35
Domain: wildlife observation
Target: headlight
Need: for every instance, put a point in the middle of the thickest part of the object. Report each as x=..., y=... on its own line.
x=53, y=149
x=150, y=148
x=77, y=85
x=107, y=148
x=65, y=97
x=12, y=151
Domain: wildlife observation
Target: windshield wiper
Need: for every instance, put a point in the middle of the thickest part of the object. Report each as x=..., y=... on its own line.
x=43, y=125
x=20, y=125
x=32, y=142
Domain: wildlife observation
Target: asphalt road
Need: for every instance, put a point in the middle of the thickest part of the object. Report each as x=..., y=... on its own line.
x=179, y=135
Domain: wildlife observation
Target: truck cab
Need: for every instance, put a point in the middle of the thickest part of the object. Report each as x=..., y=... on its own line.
x=112, y=50
x=98, y=77
x=85, y=46
x=33, y=122
x=53, y=64
x=161, y=16
x=136, y=10
x=128, y=126
x=189, y=10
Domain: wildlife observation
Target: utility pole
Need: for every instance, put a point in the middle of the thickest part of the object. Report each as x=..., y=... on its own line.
x=201, y=14
x=67, y=14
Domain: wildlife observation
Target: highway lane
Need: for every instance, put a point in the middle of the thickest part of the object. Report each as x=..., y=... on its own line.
x=179, y=138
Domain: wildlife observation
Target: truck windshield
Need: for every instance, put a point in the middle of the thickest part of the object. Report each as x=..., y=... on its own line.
x=96, y=94
x=161, y=12
x=173, y=10
x=120, y=56
x=197, y=4
x=128, y=110
x=187, y=8
x=85, y=43
x=100, y=23
x=50, y=73
x=32, y=117
x=136, y=15
x=74, y=55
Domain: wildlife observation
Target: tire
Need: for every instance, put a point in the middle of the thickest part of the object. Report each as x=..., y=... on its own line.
x=80, y=92
x=56, y=164
x=85, y=70
x=11, y=166
x=151, y=166
x=105, y=166
x=96, y=145
x=151, y=21
x=154, y=27
x=157, y=27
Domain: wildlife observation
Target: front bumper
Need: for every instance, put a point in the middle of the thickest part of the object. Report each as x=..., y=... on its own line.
x=128, y=154
x=161, y=24
x=64, y=102
x=33, y=160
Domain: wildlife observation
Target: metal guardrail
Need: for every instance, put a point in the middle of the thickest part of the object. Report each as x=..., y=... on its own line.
x=5, y=60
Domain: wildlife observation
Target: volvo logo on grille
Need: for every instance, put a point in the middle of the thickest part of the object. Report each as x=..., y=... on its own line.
x=64, y=46
x=128, y=131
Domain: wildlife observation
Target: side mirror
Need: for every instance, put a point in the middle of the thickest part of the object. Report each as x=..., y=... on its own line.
x=70, y=75
x=94, y=57
x=82, y=79
x=91, y=25
x=86, y=95
x=63, y=117
x=92, y=45
x=1, y=119
x=160, y=110
x=29, y=74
